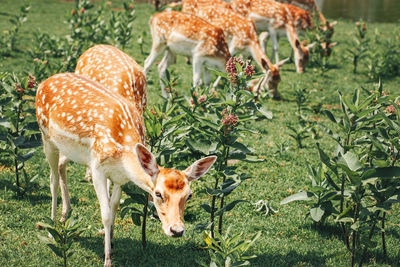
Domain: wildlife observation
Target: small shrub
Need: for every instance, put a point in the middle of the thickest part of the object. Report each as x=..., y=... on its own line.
x=62, y=236
x=229, y=251
x=360, y=45
x=19, y=132
x=9, y=41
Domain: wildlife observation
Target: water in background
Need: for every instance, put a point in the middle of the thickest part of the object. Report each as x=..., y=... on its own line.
x=368, y=10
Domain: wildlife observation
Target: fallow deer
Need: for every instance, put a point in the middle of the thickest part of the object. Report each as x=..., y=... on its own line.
x=117, y=72
x=188, y=35
x=311, y=6
x=191, y=6
x=91, y=125
x=241, y=36
x=274, y=17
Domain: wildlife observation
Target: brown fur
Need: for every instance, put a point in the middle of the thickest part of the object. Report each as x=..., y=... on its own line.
x=194, y=28
x=116, y=71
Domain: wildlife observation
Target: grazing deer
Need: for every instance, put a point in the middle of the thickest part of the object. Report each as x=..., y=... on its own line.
x=311, y=6
x=185, y=34
x=91, y=125
x=241, y=36
x=191, y=6
x=117, y=72
x=275, y=17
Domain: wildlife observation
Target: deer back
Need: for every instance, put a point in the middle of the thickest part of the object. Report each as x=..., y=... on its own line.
x=78, y=114
x=208, y=40
x=116, y=71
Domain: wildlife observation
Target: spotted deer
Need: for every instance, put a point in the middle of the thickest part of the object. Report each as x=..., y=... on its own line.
x=117, y=72
x=275, y=17
x=311, y=6
x=191, y=6
x=241, y=36
x=94, y=126
x=185, y=34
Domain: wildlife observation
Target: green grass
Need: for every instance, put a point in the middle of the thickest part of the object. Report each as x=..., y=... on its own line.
x=288, y=238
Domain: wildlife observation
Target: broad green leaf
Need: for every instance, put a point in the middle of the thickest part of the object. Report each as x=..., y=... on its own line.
x=206, y=207
x=317, y=213
x=265, y=112
x=385, y=172
x=303, y=195
x=352, y=162
x=230, y=206
x=136, y=218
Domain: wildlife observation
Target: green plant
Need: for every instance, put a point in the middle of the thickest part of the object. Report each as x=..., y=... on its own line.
x=320, y=196
x=360, y=45
x=385, y=63
x=8, y=41
x=18, y=127
x=229, y=251
x=361, y=181
x=164, y=133
x=299, y=134
x=321, y=36
x=61, y=235
x=218, y=121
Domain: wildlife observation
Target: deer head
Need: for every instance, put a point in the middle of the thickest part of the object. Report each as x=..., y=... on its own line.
x=171, y=188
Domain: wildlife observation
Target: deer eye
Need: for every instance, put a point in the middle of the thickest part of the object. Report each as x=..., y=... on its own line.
x=189, y=197
x=158, y=195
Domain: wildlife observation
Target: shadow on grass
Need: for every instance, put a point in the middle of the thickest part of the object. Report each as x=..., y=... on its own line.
x=325, y=229
x=129, y=252
x=291, y=258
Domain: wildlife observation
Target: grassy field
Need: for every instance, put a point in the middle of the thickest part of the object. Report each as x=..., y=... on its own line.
x=288, y=239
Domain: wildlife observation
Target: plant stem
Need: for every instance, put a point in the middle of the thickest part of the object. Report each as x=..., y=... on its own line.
x=383, y=236
x=144, y=222
x=16, y=148
x=353, y=247
x=345, y=236
x=371, y=232
x=226, y=150
x=213, y=207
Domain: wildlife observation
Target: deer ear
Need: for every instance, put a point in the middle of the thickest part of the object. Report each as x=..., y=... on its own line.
x=199, y=168
x=332, y=44
x=297, y=43
x=283, y=61
x=264, y=64
x=147, y=161
x=311, y=45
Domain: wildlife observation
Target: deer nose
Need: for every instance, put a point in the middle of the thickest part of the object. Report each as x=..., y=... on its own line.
x=177, y=230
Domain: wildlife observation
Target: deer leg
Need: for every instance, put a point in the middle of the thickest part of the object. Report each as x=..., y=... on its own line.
x=100, y=186
x=88, y=175
x=264, y=37
x=156, y=50
x=275, y=45
x=115, y=197
x=52, y=155
x=207, y=76
x=162, y=69
x=66, y=204
x=197, y=67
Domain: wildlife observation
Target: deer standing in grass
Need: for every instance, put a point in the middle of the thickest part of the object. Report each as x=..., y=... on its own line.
x=275, y=17
x=117, y=72
x=241, y=35
x=192, y=6
x=311, y=6
x=91, y=125
x=184, y=34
